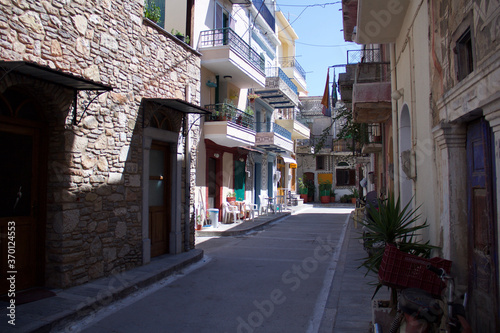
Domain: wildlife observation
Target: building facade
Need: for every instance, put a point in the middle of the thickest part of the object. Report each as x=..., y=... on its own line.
x=96, y=122
x=247, y=142
x=445, y=111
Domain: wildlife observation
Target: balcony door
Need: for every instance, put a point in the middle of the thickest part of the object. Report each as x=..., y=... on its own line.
x=222, y=17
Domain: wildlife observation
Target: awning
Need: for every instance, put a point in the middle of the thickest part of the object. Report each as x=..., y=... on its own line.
x=55, y=76
x=179, y=105
x=289, y=160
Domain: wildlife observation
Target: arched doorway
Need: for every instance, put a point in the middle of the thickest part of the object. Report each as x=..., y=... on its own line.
x=23, y=188
x=406, y=186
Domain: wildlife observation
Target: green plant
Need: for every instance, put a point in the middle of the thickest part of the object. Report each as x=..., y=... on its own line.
x=228, y=109
x=325, y=188
x=354, y=193
x=152, y=11
x=332, y=193
x=345, y=198
x=391, y=224
x=249, y=110
x=302, y=186
x=176, y=33
x=310, y=187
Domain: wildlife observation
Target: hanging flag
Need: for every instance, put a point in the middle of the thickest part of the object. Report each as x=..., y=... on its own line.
x=325, y=101
x=334, y=91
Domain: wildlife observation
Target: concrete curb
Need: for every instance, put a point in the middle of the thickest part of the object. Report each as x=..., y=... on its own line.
x=243, y=227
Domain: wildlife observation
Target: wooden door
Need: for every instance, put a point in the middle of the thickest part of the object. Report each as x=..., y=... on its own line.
x=483, y=305
x=21, y=229
x=159, y=198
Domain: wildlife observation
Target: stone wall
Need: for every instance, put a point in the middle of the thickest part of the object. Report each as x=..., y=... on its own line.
x=448, y=21
x=95, y=167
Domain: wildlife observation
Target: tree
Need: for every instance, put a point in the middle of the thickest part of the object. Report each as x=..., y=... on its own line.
x=348, y=130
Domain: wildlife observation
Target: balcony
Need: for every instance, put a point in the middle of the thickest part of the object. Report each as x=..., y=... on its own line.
x=279, y=140
x=373, y=22
x=294, y=71
x=228, y=126
x=328, y=145
x=227, y=54
x=280, y=92
x=372, y=139
x=298, y=130
x=265, y=13
x=365, y=86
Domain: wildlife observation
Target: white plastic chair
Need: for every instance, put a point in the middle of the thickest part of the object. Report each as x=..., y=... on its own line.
x=263, y=204
x=252, y=209
x=228, y=210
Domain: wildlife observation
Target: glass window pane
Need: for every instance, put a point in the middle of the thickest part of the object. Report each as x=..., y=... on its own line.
x=156, y=192
x=156, y=163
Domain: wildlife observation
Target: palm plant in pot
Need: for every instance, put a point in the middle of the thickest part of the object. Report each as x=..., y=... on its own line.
x=391, y=224
x=324, y=191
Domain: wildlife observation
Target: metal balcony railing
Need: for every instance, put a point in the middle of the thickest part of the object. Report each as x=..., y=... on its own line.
x=329, y=143
x=278, y=72
x=364, y=56
x=226, y=36
x=266, y=14
x=227, y=112
x=287, y=62
x=282, y=131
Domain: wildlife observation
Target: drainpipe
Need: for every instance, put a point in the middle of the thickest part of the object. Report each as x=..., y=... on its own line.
x=395, y=121
x=187, y=158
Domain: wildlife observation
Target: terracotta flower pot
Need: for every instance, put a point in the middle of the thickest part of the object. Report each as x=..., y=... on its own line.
x=325, y=199
x=304, y=197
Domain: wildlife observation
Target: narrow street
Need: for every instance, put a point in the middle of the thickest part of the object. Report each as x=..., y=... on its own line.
x=293, y=276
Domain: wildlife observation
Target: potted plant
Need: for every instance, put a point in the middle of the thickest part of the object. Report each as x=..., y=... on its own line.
x=324, y=191
x=199, y=222
x=391, y=224
x=252, y=97
x=177, y=34
x=228, y=110
x=310, y=190
x=231, y=197
x=354, y=195
x=152, y=11
x=302, y=189
x=180, y=36
x=332, y=195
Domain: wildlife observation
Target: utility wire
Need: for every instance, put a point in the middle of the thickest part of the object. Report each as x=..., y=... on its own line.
x=313, y=5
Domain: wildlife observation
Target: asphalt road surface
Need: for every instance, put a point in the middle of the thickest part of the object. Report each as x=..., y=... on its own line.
x=274, y=280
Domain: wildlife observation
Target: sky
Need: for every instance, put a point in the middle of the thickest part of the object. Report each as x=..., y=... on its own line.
x=318, y=23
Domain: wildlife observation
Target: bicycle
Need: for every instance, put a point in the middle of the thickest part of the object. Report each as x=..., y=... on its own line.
x=422, y=313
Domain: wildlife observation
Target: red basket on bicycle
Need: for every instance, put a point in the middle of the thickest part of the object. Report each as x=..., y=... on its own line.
x=402, y=270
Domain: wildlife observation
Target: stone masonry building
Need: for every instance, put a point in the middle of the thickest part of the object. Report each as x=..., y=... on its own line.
x=91, y=92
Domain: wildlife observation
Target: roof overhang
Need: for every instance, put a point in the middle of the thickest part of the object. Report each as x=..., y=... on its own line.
x=54, y=76
x=379, y=22
x=178, y=105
